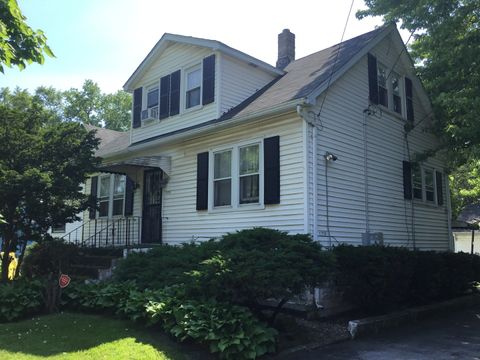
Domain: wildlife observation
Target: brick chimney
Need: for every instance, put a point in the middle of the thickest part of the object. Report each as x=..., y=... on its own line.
x=286, y=48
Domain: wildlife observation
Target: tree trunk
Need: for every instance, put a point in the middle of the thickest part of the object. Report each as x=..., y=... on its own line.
x=20, y=259
x=8, y=242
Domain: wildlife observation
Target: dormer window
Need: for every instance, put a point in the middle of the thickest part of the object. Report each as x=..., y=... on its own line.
x=152, y=98
x=193, y=87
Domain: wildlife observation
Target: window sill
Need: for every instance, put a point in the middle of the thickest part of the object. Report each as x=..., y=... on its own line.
x=240, y=207
x=193, y=109
x=427, y=204
x=391, y=112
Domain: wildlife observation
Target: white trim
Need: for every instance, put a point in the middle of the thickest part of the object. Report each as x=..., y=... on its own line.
x=451, y=241
x=305, y=177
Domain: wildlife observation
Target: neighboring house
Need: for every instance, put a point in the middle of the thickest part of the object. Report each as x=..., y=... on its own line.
x=222, y=141
x=465, y=230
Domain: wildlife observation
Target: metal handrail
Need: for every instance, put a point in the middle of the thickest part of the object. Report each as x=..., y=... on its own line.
x=105, y=232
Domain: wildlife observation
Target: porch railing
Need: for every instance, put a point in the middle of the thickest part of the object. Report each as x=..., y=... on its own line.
x=116, y=232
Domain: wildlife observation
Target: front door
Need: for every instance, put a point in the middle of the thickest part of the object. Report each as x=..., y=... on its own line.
x=152, y=206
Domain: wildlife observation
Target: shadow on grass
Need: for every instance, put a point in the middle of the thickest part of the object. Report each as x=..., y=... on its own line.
x=91, y=335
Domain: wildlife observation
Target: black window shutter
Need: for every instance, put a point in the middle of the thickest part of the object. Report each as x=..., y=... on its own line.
x=129, y=191
x=271, y=161
x=202, y=181
x=407, y=180
x=208, y=95
x=164, y=97
x=372, y=79
x=175, y=93
x=137, y=108
x=409, y=98
x=439, y=187
x=93, y=196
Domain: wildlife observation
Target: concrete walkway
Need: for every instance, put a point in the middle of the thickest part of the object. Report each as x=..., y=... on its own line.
x=449, y=336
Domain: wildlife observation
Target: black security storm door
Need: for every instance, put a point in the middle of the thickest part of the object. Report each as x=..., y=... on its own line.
x=152, y=207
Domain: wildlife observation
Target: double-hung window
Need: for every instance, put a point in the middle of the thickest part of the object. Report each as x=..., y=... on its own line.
x=382, y=85
x=193, y=87
x=222, y=178
x=152, y=102
x=111, y=195
x=417, y=182
x=396, y=93
x=237, y=176
x=249, y=174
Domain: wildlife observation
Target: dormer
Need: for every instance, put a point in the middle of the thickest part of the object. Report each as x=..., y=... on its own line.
x=185, y=81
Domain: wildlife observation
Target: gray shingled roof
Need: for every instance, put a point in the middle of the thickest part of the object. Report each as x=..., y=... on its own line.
x=303, y=76
x=110, y=140
x=306, y=74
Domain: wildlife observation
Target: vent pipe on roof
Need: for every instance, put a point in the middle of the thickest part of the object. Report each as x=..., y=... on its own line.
x=286, y=49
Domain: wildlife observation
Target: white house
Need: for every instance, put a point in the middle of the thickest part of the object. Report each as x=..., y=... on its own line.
x=222, y=141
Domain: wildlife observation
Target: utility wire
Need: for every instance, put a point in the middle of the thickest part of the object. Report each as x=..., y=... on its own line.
x=335, y=60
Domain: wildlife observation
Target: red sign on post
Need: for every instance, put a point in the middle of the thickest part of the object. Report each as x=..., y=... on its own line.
x=64, y=280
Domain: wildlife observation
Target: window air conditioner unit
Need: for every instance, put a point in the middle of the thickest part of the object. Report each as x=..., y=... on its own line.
x=150, y=114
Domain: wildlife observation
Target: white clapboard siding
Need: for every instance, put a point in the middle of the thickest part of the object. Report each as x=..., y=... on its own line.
x=341, y=132
x=182, y=222
x=239, y=81
x=177, y=57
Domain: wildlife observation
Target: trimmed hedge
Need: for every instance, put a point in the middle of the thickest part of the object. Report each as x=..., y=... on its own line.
x=243, y=268
x=382, y=278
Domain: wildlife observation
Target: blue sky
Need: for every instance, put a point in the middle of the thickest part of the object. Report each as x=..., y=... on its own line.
x=105, y=40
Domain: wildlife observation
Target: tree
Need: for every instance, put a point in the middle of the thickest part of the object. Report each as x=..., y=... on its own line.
x=42, y=167
x=83, y=105
x=19, y=44
x=446, y=52
x=116, y=110
x=90, y=106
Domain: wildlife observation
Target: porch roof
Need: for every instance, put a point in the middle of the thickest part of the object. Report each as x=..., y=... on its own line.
x=131, y=166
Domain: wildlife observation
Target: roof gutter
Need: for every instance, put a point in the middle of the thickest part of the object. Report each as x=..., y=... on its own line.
x=270, y=112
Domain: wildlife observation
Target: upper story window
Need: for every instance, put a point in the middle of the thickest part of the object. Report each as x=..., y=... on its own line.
x=184, y=88
x=389, y=89
x=152, y=97
x=382, y=85
x=193, y=88
x=396, y=93
x=111, y=195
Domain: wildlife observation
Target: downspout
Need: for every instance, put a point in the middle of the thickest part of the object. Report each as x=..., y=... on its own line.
x=311, y=123
x=451, y=244
x=365, y=172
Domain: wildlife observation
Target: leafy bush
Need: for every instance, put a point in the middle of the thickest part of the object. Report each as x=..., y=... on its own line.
x=19, y=299
x=244, y=267
x=48, y=258
x=162, y=266
x=231, y=331
x=378, y=278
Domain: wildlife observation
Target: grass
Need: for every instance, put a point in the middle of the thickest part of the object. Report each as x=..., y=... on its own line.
x=69, y=336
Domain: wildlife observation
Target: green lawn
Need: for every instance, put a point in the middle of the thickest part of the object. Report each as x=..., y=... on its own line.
x=77, y=336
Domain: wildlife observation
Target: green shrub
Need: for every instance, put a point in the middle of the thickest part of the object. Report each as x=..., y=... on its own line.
x=162, y=266
x=19, y=299
x=245, y=267
x=231, y=331
x=48, y=258
x=378, y=278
